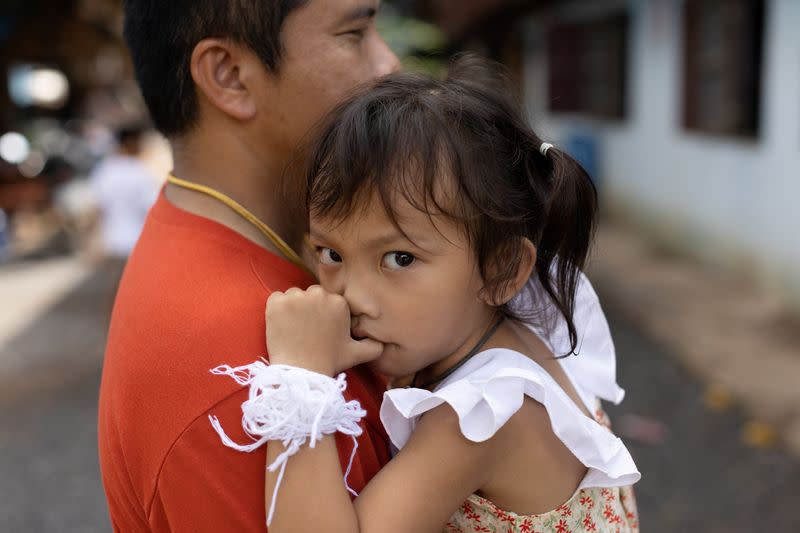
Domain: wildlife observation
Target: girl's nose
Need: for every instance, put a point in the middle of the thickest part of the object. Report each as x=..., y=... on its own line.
x=361, y=300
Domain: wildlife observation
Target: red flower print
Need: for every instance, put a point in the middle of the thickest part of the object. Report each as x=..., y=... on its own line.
x=563, y=510
x=608, y=512
x=526, y=526
x=561, y=527
x=588, y=524
x=505, y=517
x=482, y=529
x=474, y=516
x=466, y=507
x=587, y=501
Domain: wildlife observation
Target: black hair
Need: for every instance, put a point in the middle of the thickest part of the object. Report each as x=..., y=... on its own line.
x=129, y=133
x=162, y=34
x=406, y=131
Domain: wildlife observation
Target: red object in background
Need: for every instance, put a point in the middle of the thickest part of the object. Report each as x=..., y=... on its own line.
x=16, y=195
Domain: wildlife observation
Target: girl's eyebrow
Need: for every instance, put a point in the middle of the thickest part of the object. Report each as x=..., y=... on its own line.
x=387, y=238
x=379, y=241
x=316, y=236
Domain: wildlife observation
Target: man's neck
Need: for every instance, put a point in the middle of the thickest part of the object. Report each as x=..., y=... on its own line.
x=253, y=181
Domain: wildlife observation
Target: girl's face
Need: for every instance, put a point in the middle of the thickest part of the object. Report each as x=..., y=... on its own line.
x=419, y=295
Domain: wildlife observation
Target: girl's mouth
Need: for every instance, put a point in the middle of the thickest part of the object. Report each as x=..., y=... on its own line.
x=358, y=334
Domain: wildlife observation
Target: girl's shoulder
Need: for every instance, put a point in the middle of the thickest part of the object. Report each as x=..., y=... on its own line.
x=489, y=389
x=593, y=367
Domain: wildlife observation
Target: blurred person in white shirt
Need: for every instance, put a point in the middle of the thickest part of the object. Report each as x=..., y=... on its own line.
x=123, y=189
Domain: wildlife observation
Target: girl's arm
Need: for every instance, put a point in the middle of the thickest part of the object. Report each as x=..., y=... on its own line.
x=417, y=491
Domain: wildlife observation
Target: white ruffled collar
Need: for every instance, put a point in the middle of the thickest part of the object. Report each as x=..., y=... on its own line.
x=489, y=389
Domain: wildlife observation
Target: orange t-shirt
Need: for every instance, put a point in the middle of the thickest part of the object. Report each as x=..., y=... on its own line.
x=193, y=297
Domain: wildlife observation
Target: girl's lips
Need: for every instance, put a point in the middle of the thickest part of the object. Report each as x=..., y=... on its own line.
x=361, y=334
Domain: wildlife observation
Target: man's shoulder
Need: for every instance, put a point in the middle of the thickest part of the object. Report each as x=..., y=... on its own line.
x=180, y=473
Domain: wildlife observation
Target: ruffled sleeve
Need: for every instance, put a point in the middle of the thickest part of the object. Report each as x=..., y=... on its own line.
x=593, y=370
x=489, y=389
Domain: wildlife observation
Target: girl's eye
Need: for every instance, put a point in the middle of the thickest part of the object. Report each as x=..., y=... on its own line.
x=328, y=256
x=398, y=260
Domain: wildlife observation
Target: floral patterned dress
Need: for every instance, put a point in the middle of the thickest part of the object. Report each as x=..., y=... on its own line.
x=595, y=509
x=589, y=510
x=483, y=399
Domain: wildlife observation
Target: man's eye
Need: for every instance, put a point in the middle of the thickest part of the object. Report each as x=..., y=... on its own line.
x=356, y=34
x=328, y=256
x=398, y=260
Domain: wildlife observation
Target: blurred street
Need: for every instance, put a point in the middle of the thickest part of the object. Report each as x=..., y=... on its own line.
x=697, y=473
x=49, y=377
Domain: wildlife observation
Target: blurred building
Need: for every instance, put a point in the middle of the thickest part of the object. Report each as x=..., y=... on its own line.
x=688, y=115
x=685, y=112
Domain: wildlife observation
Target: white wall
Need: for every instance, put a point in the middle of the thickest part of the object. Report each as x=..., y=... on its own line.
x=723, y=199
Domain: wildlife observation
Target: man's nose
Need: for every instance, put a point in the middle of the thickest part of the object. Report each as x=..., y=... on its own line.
x=388, y=61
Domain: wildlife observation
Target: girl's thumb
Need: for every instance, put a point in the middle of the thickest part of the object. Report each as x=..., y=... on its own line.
x=363, y=351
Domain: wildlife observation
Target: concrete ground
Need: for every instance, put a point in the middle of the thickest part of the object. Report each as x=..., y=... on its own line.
x=736, y=337
x=699, y=473
x=49, y=377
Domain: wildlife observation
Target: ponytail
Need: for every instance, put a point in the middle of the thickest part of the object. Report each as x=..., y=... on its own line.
x=567, y=232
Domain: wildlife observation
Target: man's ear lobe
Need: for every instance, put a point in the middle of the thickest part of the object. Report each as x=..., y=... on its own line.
x=518, y=279
x=218, y=69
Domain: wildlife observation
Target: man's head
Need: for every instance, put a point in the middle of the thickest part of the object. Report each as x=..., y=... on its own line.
x=274, y=67
x=129, y=140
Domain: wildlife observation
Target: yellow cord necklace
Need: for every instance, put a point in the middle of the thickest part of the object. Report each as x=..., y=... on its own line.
x=268, y=232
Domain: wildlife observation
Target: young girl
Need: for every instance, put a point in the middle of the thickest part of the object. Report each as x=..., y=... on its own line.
x=450, y=240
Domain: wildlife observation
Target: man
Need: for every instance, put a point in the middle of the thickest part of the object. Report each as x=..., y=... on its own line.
x=235, y=86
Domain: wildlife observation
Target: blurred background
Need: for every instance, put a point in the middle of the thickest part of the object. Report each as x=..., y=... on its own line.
x=686, y=113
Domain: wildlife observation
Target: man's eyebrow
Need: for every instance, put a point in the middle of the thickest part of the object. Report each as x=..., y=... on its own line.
x=358, y=13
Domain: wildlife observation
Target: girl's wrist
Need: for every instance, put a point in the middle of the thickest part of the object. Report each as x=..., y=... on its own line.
x=307, y=364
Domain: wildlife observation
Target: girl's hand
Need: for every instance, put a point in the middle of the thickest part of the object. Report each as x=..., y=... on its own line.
x=311, y=329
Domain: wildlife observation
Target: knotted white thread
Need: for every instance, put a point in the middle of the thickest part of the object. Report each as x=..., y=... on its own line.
x=291, y=405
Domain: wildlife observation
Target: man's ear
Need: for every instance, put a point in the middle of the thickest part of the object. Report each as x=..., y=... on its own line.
x=223, y=73
x=517, y=279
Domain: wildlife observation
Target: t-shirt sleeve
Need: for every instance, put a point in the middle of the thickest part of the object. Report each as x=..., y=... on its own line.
x=206, y=486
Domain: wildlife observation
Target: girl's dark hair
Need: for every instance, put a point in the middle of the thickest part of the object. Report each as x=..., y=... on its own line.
x=406, y=131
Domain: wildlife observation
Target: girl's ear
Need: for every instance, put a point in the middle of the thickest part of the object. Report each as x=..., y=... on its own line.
x=516, y=280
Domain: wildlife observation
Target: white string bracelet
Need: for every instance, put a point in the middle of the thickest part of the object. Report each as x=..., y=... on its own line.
x=291, y=405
